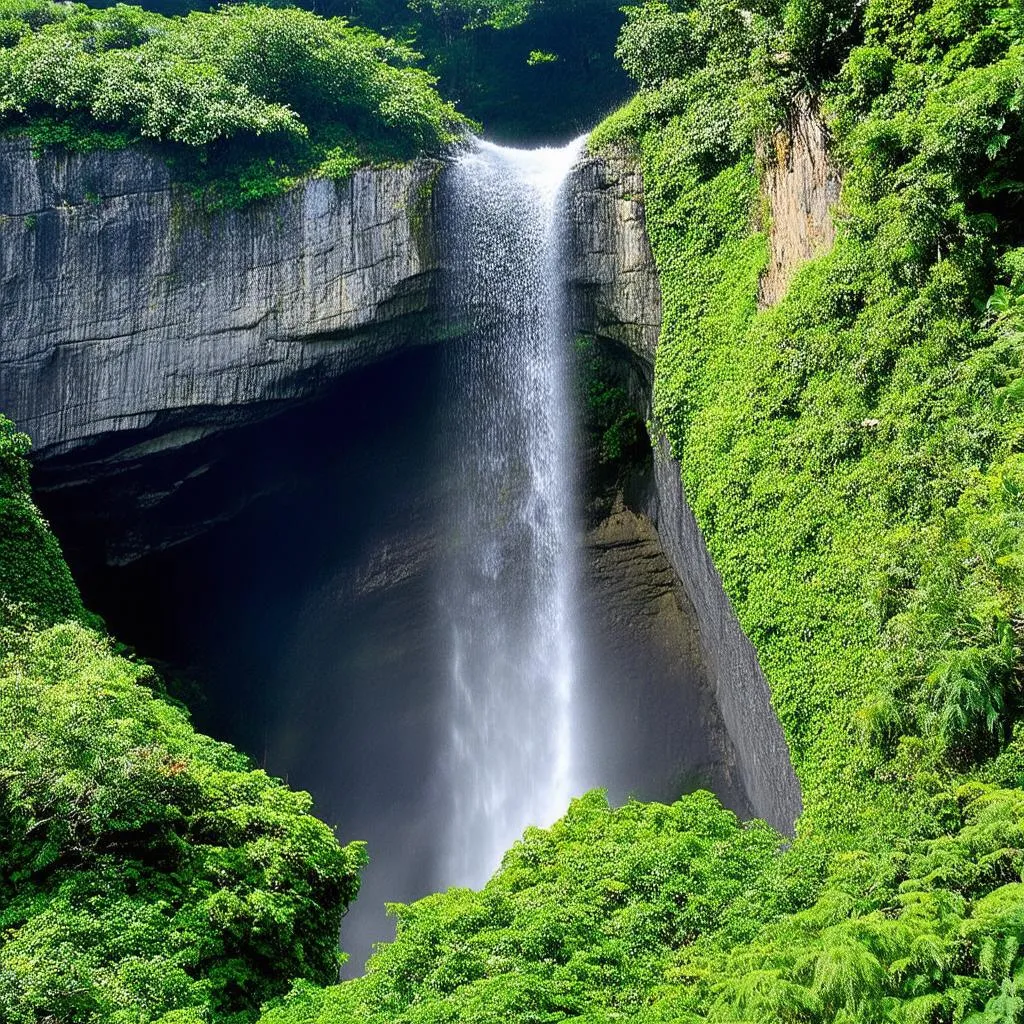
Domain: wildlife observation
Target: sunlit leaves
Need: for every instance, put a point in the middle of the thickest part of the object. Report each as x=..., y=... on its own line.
x=241, y=73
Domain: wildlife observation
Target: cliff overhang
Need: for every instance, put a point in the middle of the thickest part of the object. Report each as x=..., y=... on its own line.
x=135, y=330
x=129, y=316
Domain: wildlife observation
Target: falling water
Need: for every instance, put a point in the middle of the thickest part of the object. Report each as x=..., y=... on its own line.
x=511, y=576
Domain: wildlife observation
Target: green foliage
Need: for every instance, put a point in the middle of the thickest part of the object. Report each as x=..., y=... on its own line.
x=658, y=914
x=537, y=57
x=495, y=56
x=35, y=584
x=581, y=920
x=499, y=14
x=853, y=458
x=268, y=92
x=861, y=439
x=609, y=419
x=526, y=69
x=144, y=869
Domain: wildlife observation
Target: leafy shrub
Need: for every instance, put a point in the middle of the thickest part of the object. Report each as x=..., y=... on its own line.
x=656, y=914
x=242, y=83
x=581, y=920
x=144, y=869
x=35, y=584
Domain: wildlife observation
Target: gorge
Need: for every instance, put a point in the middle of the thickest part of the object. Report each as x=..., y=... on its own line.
x=261, y=401
x=646, y=514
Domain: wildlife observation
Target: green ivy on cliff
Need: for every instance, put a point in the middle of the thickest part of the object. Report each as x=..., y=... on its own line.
x=853, y=455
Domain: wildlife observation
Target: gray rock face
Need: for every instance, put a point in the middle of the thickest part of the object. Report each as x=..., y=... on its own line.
x=612, y=276
x=123, y=306
x=617, y=298
x=730, y=661
x=654, y=714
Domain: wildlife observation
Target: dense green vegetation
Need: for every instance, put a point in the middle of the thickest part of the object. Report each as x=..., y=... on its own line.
x=854, y=458
x=35, y=582
x=244, y=100
x=854, y=453
x=611, y=426
x=526, y=69
x=679, y=914
x=146, y=872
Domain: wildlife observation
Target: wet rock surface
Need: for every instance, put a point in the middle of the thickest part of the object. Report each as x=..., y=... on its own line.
x=647, y=679
x=613, y=279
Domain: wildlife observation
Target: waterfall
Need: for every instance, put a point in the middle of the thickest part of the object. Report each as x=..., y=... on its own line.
x=508, y=592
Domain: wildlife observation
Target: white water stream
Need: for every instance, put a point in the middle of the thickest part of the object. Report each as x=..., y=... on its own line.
x=509, y=591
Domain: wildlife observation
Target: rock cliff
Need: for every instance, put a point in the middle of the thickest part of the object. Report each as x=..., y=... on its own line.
x=130, y=317
x=801, y=185
x=612, y=277
x=123, y=307
x=618, y=300
x=134, y=329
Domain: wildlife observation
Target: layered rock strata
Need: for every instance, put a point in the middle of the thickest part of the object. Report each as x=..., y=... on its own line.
x=613, y=281
x=125, y=308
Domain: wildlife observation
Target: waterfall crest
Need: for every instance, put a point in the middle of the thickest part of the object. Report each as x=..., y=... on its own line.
x=507, y=596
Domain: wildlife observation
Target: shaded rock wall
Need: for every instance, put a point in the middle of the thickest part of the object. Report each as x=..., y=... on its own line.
x=123, y=306
x=617, y=299
x=650, y=715
x=730, y=661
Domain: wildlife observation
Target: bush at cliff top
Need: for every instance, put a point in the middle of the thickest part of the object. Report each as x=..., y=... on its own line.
x=241, y=82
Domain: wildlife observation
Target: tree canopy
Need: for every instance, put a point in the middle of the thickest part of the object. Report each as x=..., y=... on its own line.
x=243, y=89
